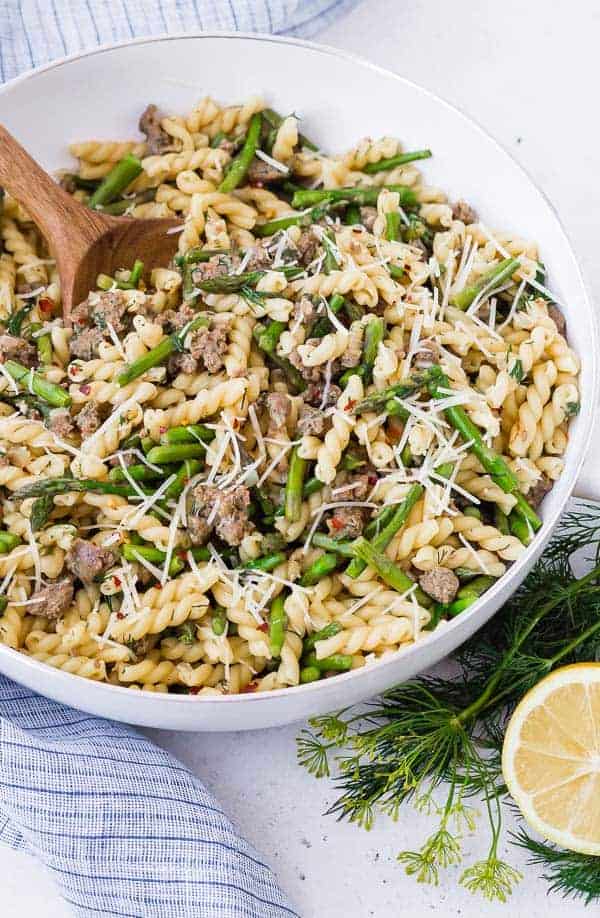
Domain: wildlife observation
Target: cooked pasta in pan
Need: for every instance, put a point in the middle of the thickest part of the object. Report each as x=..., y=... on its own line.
x=320, y=434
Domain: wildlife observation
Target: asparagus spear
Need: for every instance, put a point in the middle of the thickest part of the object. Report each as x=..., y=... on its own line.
x=329, y=544
x=240, y=165
x=187, y=470
x=8, y=541
x=266, y=339
x=468, y=594
x=306, y=218
x=352, y=215
x=266, y=563
x=53, y=486
x=518, y=527
x=392, y=226
x=384, y=398
x=161, y=352
x=323, y=325
x=40, y=512
x=163, y=455
x=293, y=487
x=356, y=195
x=337, y=663
x=381, y=541
x=330, y=263
x=275, y=120
x=133, y=552
x=495, y=276
x=277, y=624
x=328, y=631
x=493, y=464
x=115, y=183
x=219, y=620
x=307, y=673
x=399, y=160
x=49, y=392
x=191, y=433
x=320, y=568
x=389, y=572
x=118, y=208
x=233, y=283
x=374, y=333
x=139, y=472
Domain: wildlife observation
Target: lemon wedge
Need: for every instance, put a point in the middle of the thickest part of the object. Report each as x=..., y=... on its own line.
x=551, y=757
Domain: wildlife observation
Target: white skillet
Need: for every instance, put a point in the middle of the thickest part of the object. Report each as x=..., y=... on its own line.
x=342, y=98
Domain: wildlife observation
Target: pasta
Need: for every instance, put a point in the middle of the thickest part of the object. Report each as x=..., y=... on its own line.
x=321, y=430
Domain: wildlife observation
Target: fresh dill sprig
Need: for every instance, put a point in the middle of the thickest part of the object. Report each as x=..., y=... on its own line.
x=432, y=733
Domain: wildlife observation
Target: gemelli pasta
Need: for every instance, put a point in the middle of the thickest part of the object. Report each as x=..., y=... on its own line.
x=323, y=431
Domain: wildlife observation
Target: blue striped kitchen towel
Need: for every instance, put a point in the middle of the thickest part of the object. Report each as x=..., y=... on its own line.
x=33, y=32
x=123, y=827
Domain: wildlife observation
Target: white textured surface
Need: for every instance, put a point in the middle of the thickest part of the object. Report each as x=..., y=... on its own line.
x=526, y=73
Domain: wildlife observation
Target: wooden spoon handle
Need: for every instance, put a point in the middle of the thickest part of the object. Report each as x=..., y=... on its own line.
x=59, y=216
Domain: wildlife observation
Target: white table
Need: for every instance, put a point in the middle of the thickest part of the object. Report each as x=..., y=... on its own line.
x=526, y=72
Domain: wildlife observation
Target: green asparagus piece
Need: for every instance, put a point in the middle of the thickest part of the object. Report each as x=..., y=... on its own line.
x=328, y=631
x=337, y=662
x=53, y=486
x=4, y=604
x=233, y=283
x=275, y=120
x=330, y=262
x=266, y=339
x=132, y=552
x=352, y=215
x=379, y=400
x=392, y=226
x=118, y=208
x=494, y=276
x=493, y=464
x=40, y=512
x=320, y=540
x=374, y=334
x=187, y=470
x=468, y=594
x=8, y=541
x=35, y=382
x=501, y=521
x=381, y=541
x=281, y=223
x=44, y=349
x=197, y=255
x=308, y=674
x=518, y=527
x=115, y=183
x=163, y=455
x=219, y=620
x=322, y=567
x=266, y=563
x=240, y=165
x=379, y=521
x=389, y=572
x=323, y=325
x=277, y=625
x=350, y=461
x=355, y=195
x=82, y=184
x=312, y=486
x=393, y=161
x=161, y=352
x=397, y=272
x=294, y=484
x=191, y=433
x=139, y=472
x=475, y=512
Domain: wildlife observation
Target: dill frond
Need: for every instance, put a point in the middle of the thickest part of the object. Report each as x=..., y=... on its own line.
x=312, y=754
x=568, y=873
x=493, y=878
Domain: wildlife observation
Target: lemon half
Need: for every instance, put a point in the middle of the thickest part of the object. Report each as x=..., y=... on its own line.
x=551, y=757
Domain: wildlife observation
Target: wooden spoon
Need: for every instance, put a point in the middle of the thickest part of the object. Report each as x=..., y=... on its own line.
x=84, y=242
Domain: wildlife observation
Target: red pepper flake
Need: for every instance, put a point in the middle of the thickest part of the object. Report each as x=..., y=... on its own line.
x=336, y=523
x=116, y=581
x=251, y=687
x=120, y=615
x=85, y=389
x=194, y=690
x=263, y=627
x=46, y=305
x=350, y=405
x=162, y=430
x=372, y=479
x=235, y=423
